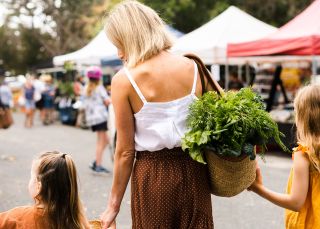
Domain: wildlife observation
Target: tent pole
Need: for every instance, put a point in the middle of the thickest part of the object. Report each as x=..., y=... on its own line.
x=314, y=66
x=247, y=74
x=226, y=77
x=239, y=72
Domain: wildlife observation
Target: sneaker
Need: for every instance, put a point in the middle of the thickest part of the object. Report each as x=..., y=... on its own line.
x=92, y=165
x=100, y=169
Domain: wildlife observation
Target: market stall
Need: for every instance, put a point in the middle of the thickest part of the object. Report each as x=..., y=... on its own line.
x=299, y=37
x=210, y=41
x=297, y=42
x=97, y=49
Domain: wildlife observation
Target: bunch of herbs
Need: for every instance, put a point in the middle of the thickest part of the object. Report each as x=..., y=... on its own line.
x=230, y=125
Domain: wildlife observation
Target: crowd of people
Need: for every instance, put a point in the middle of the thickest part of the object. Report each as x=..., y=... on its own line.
x=43, y=94
x=168, y=189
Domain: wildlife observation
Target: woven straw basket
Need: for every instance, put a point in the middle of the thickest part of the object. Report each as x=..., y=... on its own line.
x=229, y=177
x=95, y=224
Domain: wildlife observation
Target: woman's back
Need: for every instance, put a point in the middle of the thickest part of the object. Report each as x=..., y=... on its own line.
x=163, y=78
x=160, y=94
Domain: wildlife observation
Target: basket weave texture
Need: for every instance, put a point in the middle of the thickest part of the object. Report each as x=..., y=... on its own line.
x=95, y=224
x=229, y=177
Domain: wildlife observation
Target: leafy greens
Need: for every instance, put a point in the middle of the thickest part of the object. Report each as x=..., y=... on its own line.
x=229, y=124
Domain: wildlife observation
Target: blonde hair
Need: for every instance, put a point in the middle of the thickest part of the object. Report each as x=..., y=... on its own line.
x=59, y=191
x=92, y=85
x=307, y=108
x=138, y=31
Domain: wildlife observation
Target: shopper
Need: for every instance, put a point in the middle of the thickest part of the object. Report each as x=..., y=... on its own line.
x=6, y=102
x=39, y=86
x=151, y=97
x=303, y=190
x=48, y=95
x=54, y=189
x=96, y=101
x=234, y=82
x=29, y=100
x=5, y=94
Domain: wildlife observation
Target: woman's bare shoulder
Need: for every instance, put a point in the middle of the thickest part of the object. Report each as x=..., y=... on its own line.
x=120, y=79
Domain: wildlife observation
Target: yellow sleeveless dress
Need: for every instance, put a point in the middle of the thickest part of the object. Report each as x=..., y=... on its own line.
x=309, y=215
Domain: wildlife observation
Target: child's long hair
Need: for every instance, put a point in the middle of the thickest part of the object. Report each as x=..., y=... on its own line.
x=92, y=85
x=307, y=108
x=59, y=191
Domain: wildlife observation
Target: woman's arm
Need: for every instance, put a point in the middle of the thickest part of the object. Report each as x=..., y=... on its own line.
x=124, y=154
x=300, y=184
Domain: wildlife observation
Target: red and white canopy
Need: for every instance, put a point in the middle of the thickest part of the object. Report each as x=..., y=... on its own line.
x=300, y=36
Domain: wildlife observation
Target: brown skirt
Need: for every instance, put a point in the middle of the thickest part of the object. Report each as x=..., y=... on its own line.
x=170, y=190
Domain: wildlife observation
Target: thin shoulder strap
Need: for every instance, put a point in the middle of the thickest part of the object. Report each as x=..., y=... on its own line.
x=135, y=86
x=193, y=91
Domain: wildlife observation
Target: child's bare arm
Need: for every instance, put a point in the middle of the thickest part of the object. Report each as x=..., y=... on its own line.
x=300, y=183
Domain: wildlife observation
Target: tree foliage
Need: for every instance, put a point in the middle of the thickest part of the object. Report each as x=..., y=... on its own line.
x=62, y=26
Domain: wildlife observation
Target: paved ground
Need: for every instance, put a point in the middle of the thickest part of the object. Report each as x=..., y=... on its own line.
x=18, y=146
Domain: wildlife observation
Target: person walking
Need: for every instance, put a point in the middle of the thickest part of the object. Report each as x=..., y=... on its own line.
x=303, y=191
x=39, y=86
x=48, y=95
x=151, y=96
x=30, y=106
x=53, y=186
x=6, y=102
x=95, y=102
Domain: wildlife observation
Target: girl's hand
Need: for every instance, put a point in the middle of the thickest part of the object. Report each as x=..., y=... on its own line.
x=108, y=218
x=257, y=184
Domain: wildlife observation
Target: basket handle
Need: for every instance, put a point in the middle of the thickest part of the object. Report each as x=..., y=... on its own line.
x=205, y=74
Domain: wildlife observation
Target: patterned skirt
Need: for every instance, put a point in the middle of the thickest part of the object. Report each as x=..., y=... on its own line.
x=169, y=190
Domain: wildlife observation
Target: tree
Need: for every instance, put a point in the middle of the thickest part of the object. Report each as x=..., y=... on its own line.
x=185, y=15
x=48, y=28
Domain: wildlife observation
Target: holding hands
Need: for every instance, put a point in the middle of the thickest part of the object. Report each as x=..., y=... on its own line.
x=257, y=185
x=108, y=218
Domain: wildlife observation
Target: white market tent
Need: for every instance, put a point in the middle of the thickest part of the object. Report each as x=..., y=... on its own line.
x=210, y=41
x=98, y=48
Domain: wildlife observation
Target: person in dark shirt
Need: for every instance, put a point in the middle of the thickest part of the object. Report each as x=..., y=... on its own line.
x=234, y=82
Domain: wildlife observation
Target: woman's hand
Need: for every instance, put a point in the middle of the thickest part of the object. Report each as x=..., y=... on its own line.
x=108, y=218
x=257, y=184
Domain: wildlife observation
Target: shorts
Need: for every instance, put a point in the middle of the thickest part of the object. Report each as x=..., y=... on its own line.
x=30, y=104
x=48, y=103
x=39, y=104
x=100, y=127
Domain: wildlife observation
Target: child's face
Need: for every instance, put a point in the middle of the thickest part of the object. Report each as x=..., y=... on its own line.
x=34, y=185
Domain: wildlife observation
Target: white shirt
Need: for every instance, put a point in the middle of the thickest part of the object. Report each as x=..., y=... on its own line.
x=95, y=109
x=160, y=125
x=5, y=95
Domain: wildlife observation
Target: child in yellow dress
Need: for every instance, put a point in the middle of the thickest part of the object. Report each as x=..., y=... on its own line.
x=302, y=201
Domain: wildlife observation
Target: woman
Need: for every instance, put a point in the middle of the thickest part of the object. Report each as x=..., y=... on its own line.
x=30, y=106
x=48, y=100
x=96, y=101
x=151, y=96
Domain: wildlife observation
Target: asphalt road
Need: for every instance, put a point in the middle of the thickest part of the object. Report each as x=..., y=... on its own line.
x=18, y=146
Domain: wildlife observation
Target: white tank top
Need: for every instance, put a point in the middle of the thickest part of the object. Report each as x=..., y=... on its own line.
x=160, y=125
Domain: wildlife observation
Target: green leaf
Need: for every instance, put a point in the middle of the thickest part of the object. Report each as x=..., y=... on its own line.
x=197, y=156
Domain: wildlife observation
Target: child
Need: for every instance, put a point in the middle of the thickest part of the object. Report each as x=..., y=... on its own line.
x=302, y=200
x=96, y=101
x=53, y=186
